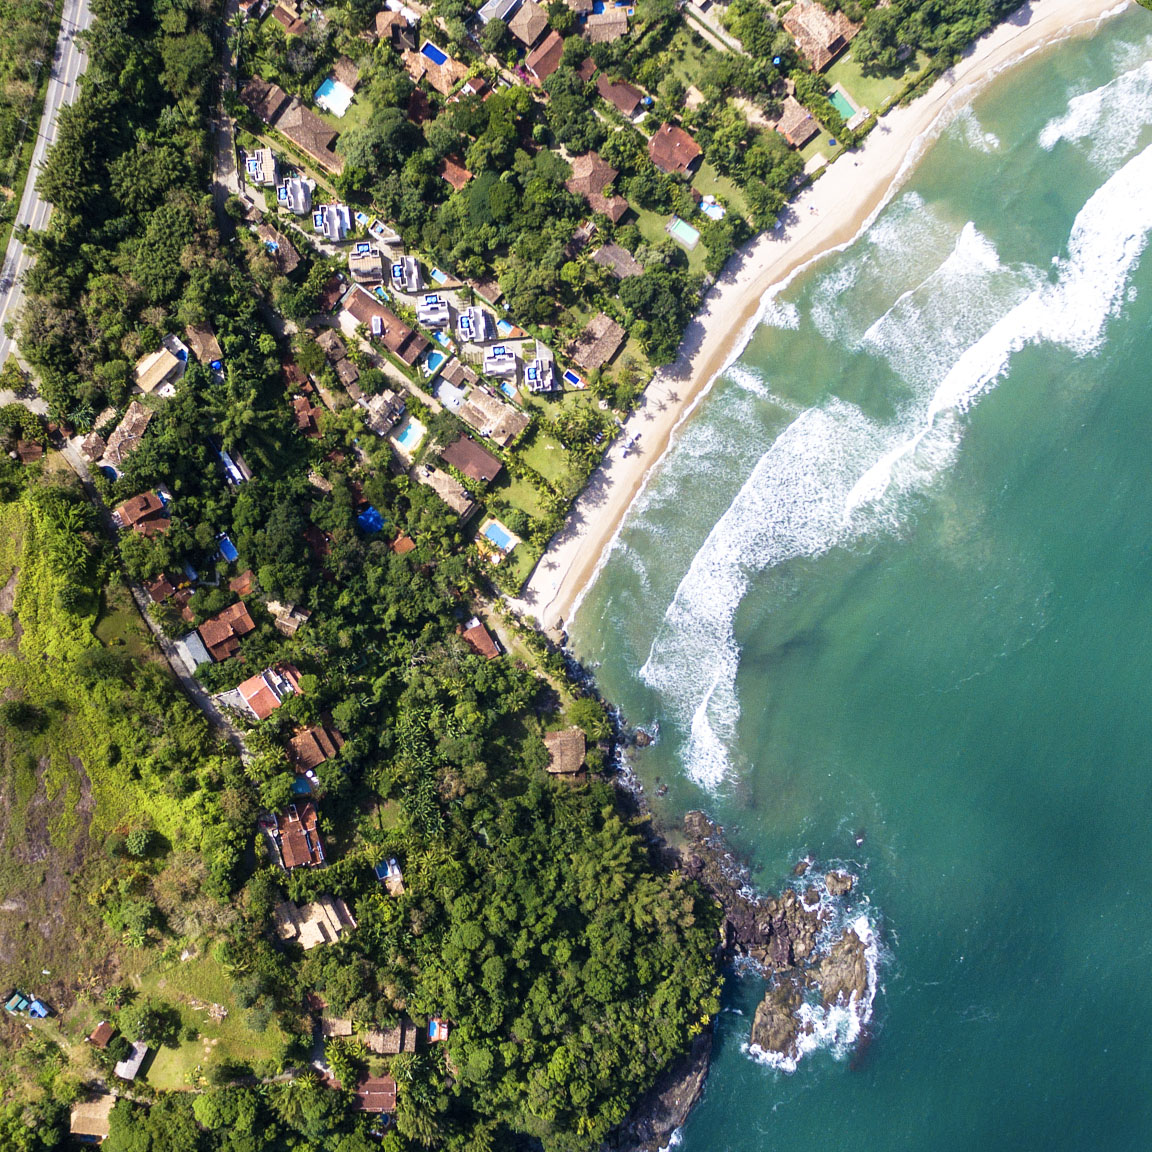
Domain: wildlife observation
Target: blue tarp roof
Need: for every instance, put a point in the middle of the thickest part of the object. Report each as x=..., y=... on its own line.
x=228, y=550
x=370, y=520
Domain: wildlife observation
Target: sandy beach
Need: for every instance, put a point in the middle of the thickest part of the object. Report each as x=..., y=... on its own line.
x=825, y=217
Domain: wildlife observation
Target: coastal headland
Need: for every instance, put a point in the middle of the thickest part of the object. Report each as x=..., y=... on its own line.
x=826, y=216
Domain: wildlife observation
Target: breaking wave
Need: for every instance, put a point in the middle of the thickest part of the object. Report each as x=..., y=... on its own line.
x=834, y=474
x=1108, y=120
x=969, y=129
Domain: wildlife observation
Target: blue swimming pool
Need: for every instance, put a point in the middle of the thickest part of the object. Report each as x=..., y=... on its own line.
x=438, y=276
x=410, y=435
x=434, y=361
x=499, y=535
x=325, y=89
x=301, y=786
x=503, y=327
x=433, y=53
x=442, y=338
x=508, y=390
x=570, y=377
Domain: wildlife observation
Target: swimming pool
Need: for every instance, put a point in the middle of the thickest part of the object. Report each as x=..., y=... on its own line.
x=685, y=233
x=499, y=535
x=442, y=338
x=504, y=328
x=433, y=362
x=841, y=103
x=508, y=390
x=409, y=437
x=333, y=96
x=433, y=53
x=438, y=276
x=571, y=378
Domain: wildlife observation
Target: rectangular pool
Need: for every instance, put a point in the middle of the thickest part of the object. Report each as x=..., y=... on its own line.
x=499, y=535
x=841, y=103
x=436, y=55
x=685, y=233
x=410, y=434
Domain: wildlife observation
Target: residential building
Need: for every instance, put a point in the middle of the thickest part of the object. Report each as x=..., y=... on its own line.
x=383, y=325
x=498, y=10
x=392, y=1041
x=479, y=639
x=365, y=263
x=295, y=194
x=90, y=1119
x=492, y=418
x=565, y=751
x=260, y=167
x=500, y=360
x=626, y=99
x=306, y=417
x=384, y=412
x=796, y=124
x=279, y=247
x=332, y=221
x=311, y=747
x=221, y=633
x=288, y=619
x=395, y=29
x=529, y=24
x=474, y=325
x=299, y=124
x=619, y=261
x=598, y=343
x=432, y=310
x=458, y=374
x=204, y=345
x=543, y=60
x=345, y=72
x=125, y=438
x=454, y=173
x=331, y=345
x=375, y=1094
x=435, y=66
x=102, y=1035
x=299, y=838
x=146, y=514
x=672, y=150
x=323, y=921
x=540, y=375
x=448, y=488
x=590, y=177
x=157, y=369
x=820, y=35
x=406, y=275
x=607, y=26
x=292, y=25
x=471, y=460
x=263, y=693
x=129, y=1068
x=348, y=375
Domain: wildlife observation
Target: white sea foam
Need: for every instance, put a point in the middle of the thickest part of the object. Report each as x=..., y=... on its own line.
x=834, y=474
x=674, y=1141
x=778, y=313
x=1107, y=121
x=969, y=129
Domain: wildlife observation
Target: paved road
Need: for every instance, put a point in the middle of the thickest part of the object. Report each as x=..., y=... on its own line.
x=63, y=85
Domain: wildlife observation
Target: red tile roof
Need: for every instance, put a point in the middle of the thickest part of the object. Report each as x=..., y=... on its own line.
x=456, y=174
x=311, y=747
x=544, y=60
x=221, y=633
x=479, y=639
x=672, y=149
x=477, y=463
x=624, y=97
x=376, y=1094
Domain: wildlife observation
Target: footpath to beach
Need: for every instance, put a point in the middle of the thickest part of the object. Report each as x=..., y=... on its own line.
x=826, y=216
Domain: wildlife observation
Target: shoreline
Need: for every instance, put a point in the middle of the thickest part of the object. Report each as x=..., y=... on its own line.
x=824, y=218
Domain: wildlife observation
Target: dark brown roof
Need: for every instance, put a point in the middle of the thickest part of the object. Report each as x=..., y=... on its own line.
x=402, y=545
x=606, y=26
x=543, y=61
x=291, y=25
x=29, y=451
x=457, y=373
x=397, y=337
x=330, y=294
x=672, y=149
x=267, y=100
x=313, y=746
x=479, y=639
x=284, y=253
x=587, y=70
x=140, y=510
x=299, y=840
x=348, y=373
x=598, y=343
x=102, y=1034
x=329, y=340
x=565, y=751
x=221, y=633
x=796, y=124
x=243, y=584
x=590, y=176
x=456, y=174
x=529, y=23
x=376, y=1094
x=346, y=72
x=619, y=261
x=466, y=456
x=623, y=96
x=310, y=134
x=392, y=1041
x=159, y=589
x=819, y=34
x=202, y=340
x=420, y=107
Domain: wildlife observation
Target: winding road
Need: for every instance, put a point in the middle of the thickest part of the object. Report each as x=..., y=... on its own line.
x=68, y=65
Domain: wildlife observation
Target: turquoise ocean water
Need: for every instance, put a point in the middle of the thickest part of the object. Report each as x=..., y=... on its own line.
x=896, y=579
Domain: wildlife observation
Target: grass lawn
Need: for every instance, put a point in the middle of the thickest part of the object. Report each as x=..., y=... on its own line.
x=520, y=493
x=709, y=182
x=193, y=986
x=515, y=568
x=546, y=455
x=871, y=92
x=119, y=624
x=688, y=53
x=651, y=225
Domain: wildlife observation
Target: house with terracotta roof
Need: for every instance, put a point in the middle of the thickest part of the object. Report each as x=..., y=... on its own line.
x=598, y=343
x=619, y=261
x=306, y=417
x=263, y=693
x=298, y=837
x=157, y=369
x=590, y=177
x=479, y=639
x=529, y=24
x=543, y=60
x=624, y=97
x=90, y=1119
x=394, y=27
x=221, y=633
x=454, y=172
x=448, y=488
x=292, y=25
x=311, y=747
x=102, y=1034
x=607, y=26
x=441, y=76
x=384, y=326
x=500, y=422
x=796, y=124
x=146, y=514
x=468, y=458
x=672, y=150
x=376, y=1094
x=820, y=35
x=565, y=751
x=312, y=135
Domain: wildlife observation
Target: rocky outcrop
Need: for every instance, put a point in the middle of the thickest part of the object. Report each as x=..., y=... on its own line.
x=843, y=973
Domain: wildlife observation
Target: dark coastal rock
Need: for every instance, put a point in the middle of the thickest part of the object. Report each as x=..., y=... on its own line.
x=843, y=973
x=665, y=1106
x=642, y=738
x=775, y=1027
x=839, y=883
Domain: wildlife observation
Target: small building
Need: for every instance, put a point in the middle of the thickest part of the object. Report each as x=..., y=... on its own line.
x=292, y=25
x=332, y=221
x=331, y=344
x=500, y=360
x=432, y=310
x=244, y=584
x=90, y=1118
x=389, y=874
x=492, y=418
x=129, y=1068
x=384, y=411
x=311, y=747
x=345, y=72
x=204, y=345
x=590, y=177
x=299, y=838
x=448, y=488
x=263, y=693
x=607, y=26
x=377, y=1094
x=544, y=59
x=393, y=27
x=332, y=292
x=323, y=921
x=469, y=459
x=458, y=374
x=672, y=150
x=438, y=1030
x=260, y=167
x=101, y=1036
x=279, y=247
x=406, y=275
x=540, y=375
x=435, y=66
x=624, y=97
x=498, y=10
x=820, y=35
x=348, y=374
x=473, y=325
x=306, y=417
x=157, y=369
x=365, y=263
x=288, y=618
x=529, y=24
x=796, y=124
x=479, y=639
x=565, y=751
x=93, y=447
x=28, y=451
x=295, y=194
x=454, y=173
x=191, y=650
x=598, y=343
x=146, y=514
x=221, y=633
x=331, y=1026
x=392, y=1041
x=619, y=261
